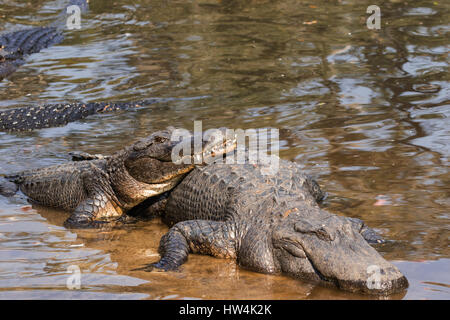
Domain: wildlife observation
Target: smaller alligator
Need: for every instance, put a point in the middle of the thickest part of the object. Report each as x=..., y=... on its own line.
x=270, y=224
x=98, y=192
x=17, y=45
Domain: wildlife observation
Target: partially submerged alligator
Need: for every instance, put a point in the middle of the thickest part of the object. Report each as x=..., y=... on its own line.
x=271, y=224
x=53, y=115
x=100, y=191
x=17, y=45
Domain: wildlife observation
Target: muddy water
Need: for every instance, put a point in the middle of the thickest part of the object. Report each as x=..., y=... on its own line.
x=366, y=112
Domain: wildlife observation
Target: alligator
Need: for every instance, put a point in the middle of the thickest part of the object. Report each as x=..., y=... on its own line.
x=52, y=115
x=270, y=224
x=17, y=45
x=100, y=191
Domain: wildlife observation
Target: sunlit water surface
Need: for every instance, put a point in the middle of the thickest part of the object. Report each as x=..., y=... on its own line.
x=364, y=111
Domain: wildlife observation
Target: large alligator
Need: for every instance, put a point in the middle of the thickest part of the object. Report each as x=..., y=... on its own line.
x=17, y=45
x=271, y=224
x=98, y=192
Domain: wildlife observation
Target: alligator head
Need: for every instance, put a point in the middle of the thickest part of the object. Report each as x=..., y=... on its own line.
x=164, y=158
x=332, y=250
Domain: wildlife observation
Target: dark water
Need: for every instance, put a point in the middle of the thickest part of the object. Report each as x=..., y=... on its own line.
x=365, y=111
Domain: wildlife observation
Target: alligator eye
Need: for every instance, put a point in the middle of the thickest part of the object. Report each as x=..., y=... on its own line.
x=323, y=234
x=294, y=250
x=143, y=144
x=159, y=139
x=290, y=246
x=321, y=231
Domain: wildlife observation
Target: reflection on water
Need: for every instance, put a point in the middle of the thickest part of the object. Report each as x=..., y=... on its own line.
x=364, y=111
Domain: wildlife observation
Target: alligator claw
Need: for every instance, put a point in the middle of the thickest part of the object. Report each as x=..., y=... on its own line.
x=70, y=224
x=163, y=266
x=156, y=267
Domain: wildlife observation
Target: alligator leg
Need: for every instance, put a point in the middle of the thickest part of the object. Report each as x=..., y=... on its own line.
x=207, y=237
x=87, y=213
x=100, y=208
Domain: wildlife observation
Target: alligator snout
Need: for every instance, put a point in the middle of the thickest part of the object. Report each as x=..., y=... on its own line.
x=336, y=254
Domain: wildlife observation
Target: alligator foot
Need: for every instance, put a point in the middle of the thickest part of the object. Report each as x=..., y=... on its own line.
x=100, y=202
x=215, y=238
x=88, y=224
x=122, y=221
x=157, y=267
